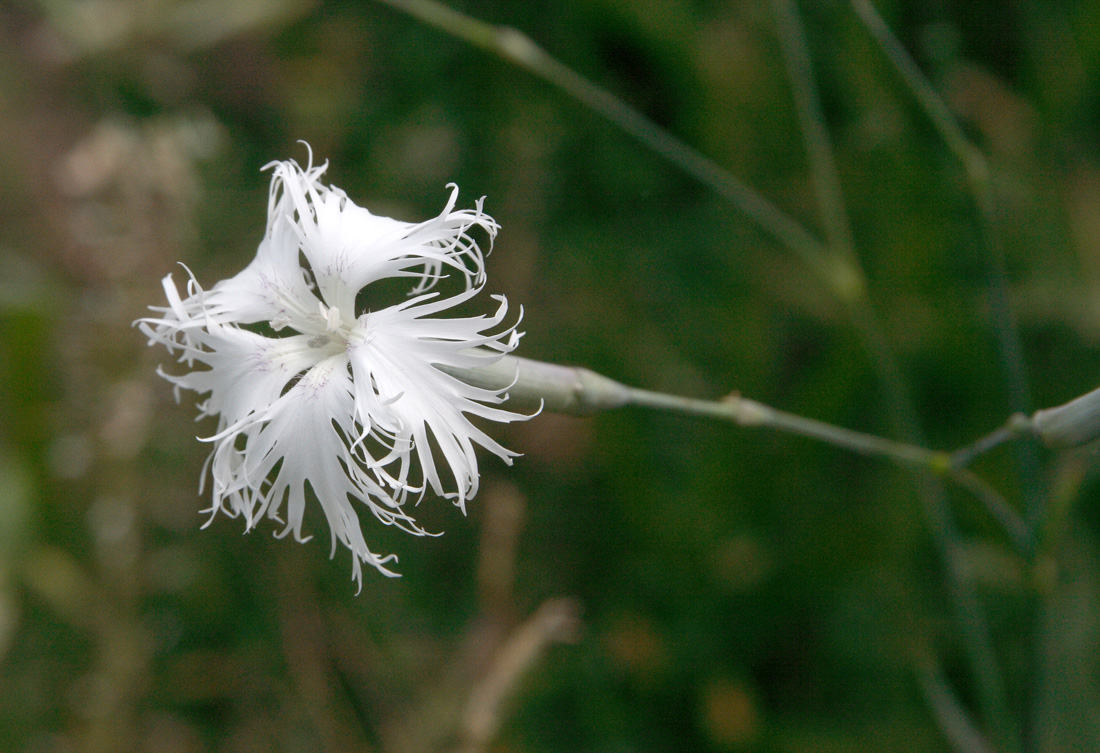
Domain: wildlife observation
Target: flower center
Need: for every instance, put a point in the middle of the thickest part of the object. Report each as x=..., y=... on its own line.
x=339, y=334
x=326, y=327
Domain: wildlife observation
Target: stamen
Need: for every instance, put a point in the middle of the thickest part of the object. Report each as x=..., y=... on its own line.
x=331, y=317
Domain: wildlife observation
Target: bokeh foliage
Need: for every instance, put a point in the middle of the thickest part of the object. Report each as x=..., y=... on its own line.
x=715, y=589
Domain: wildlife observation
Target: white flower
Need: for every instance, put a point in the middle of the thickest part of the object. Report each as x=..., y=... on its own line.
x=314, y=381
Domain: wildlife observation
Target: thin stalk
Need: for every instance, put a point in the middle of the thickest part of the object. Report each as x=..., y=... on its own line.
x=749, y=413
x=576, y=391
x=745, y=412
x=514, y=47
x=970, y=619
x=949, y=711
x=991, y=686
x=937, y=509
x=969, y=615
x=978, y=176
x=1012, y=524
x=1017, y=425
x=535, y=385
x=823, y=169
x=1071, y=424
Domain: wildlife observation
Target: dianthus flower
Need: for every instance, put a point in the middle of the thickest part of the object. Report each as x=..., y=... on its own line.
x=314, y=382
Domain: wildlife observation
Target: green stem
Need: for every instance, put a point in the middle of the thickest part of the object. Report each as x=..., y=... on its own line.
x=948, y=709
x=978, y=176
x=991, y=686
x=535, y=385
x=515, y=47
x=823, y=169
x=1018, y=531
x=580, y=392
x=1016, y=426
x=745, y=412
x=1069, y=425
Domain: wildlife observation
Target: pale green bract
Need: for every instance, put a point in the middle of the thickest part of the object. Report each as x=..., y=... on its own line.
x=307, y=388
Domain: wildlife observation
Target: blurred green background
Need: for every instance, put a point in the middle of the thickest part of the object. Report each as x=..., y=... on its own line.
x=637, y=581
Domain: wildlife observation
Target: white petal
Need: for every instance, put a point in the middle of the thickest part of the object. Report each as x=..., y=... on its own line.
x=245, y=371
x=300, y=440
x=399, y=389
x=272, y=288
x=348, y=247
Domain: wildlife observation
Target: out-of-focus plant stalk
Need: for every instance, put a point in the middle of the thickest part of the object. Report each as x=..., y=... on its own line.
x=535, y=385
x=938, y=514
x=948, y=709
x=556, y=621
x=517, y=48
x=979, y=179
x=1053, y=426
x=830, y=197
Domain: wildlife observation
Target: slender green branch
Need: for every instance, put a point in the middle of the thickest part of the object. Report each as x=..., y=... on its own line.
x=1012, y=524
x=1016, y=426
x=515, y=47
x=971, y=621
x=581, y=392
x=973, y=160
x=949, y=711
x=1069, y=425
x=969, y=614
x=991, y=688
x=823, y=169
x=863, y=317
x=979, y=179
x=745, y=412
x=535, y=385
x=978, y=176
